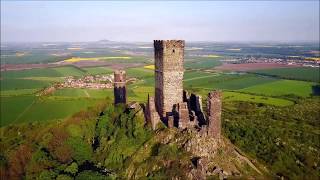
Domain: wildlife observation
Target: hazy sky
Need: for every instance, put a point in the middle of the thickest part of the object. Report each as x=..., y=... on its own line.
x=145, y=21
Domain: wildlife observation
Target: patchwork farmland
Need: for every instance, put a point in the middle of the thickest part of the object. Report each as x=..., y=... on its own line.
x=270, y=86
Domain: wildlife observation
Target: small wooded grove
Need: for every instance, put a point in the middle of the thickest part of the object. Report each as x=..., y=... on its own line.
x=286, y=140
x=107, y=142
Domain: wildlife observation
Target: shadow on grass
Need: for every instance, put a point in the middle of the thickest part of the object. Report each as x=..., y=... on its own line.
x=316, y=90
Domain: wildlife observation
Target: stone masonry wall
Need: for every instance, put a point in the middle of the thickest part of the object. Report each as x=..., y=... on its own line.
x=151, y=114
x=214, y=114
x=183, y=115
x=169, y=58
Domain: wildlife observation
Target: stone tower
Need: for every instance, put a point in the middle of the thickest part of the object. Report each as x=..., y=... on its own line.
x=214, y=113
x=120, y=93
x=169, y=57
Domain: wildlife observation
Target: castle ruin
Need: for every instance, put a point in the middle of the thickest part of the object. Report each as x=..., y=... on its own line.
x=172, y=104
x=120, y=92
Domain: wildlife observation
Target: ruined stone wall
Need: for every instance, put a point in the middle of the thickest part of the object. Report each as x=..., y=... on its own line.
x=183, y=115
x=196, y=106
x=151, y=114
x=169, y=58
x=119, y=91
x=214, y=113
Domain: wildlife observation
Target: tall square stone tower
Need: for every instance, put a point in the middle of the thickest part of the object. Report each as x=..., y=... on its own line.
x=169, y=58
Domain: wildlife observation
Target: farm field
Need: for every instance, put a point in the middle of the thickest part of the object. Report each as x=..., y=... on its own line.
x=225, y=81
x=17, y=92
x=236, y=96
x=55, y=108
x=98, y=70
x=35, y=78
x=139, y=72
x=45, y=72
x=76, y=59
x=89, y=93
x=202, y=62
x=28, y=58
x=12, y=107
x=16, y=84
x=140, y=93
x=250, y=66
x=282, y=87
x=301, y=73
x=18, y=109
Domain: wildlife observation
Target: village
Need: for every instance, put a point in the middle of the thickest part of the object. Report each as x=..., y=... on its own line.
x=287, y=61
x=85, y=82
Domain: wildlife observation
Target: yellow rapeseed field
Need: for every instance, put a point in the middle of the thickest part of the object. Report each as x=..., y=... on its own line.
x=313, y=58
x=234, y=49
x=76, y=59
x=212, y=56
x=19, y=54
x=149, y=67
x=74, y=48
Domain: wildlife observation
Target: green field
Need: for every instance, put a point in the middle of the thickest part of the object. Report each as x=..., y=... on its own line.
x=98, y=70
x=301, y=73
x=28, y=58
x=46, y=72
x=55, y=108
x=36, y=78
x=140, y=93
x=282, y=87
x=16, y=84
x=18, y=92
x=225, y=81
x=90, y=93
x=17, y=109
x=235, y=96
x=140, y=72
x=12, y=107
x=202, y=62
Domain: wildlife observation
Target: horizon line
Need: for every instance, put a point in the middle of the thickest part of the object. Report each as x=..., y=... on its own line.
x=192, y=41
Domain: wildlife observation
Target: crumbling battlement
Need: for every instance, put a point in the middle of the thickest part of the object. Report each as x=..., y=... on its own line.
x=161, y=44
x=119, y=91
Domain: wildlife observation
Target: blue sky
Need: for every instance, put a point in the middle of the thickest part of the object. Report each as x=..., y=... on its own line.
x=144, y=21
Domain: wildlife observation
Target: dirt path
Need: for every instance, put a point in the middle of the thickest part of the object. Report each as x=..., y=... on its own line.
x=87, y=94
x=246, y=160
x=25, y=110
